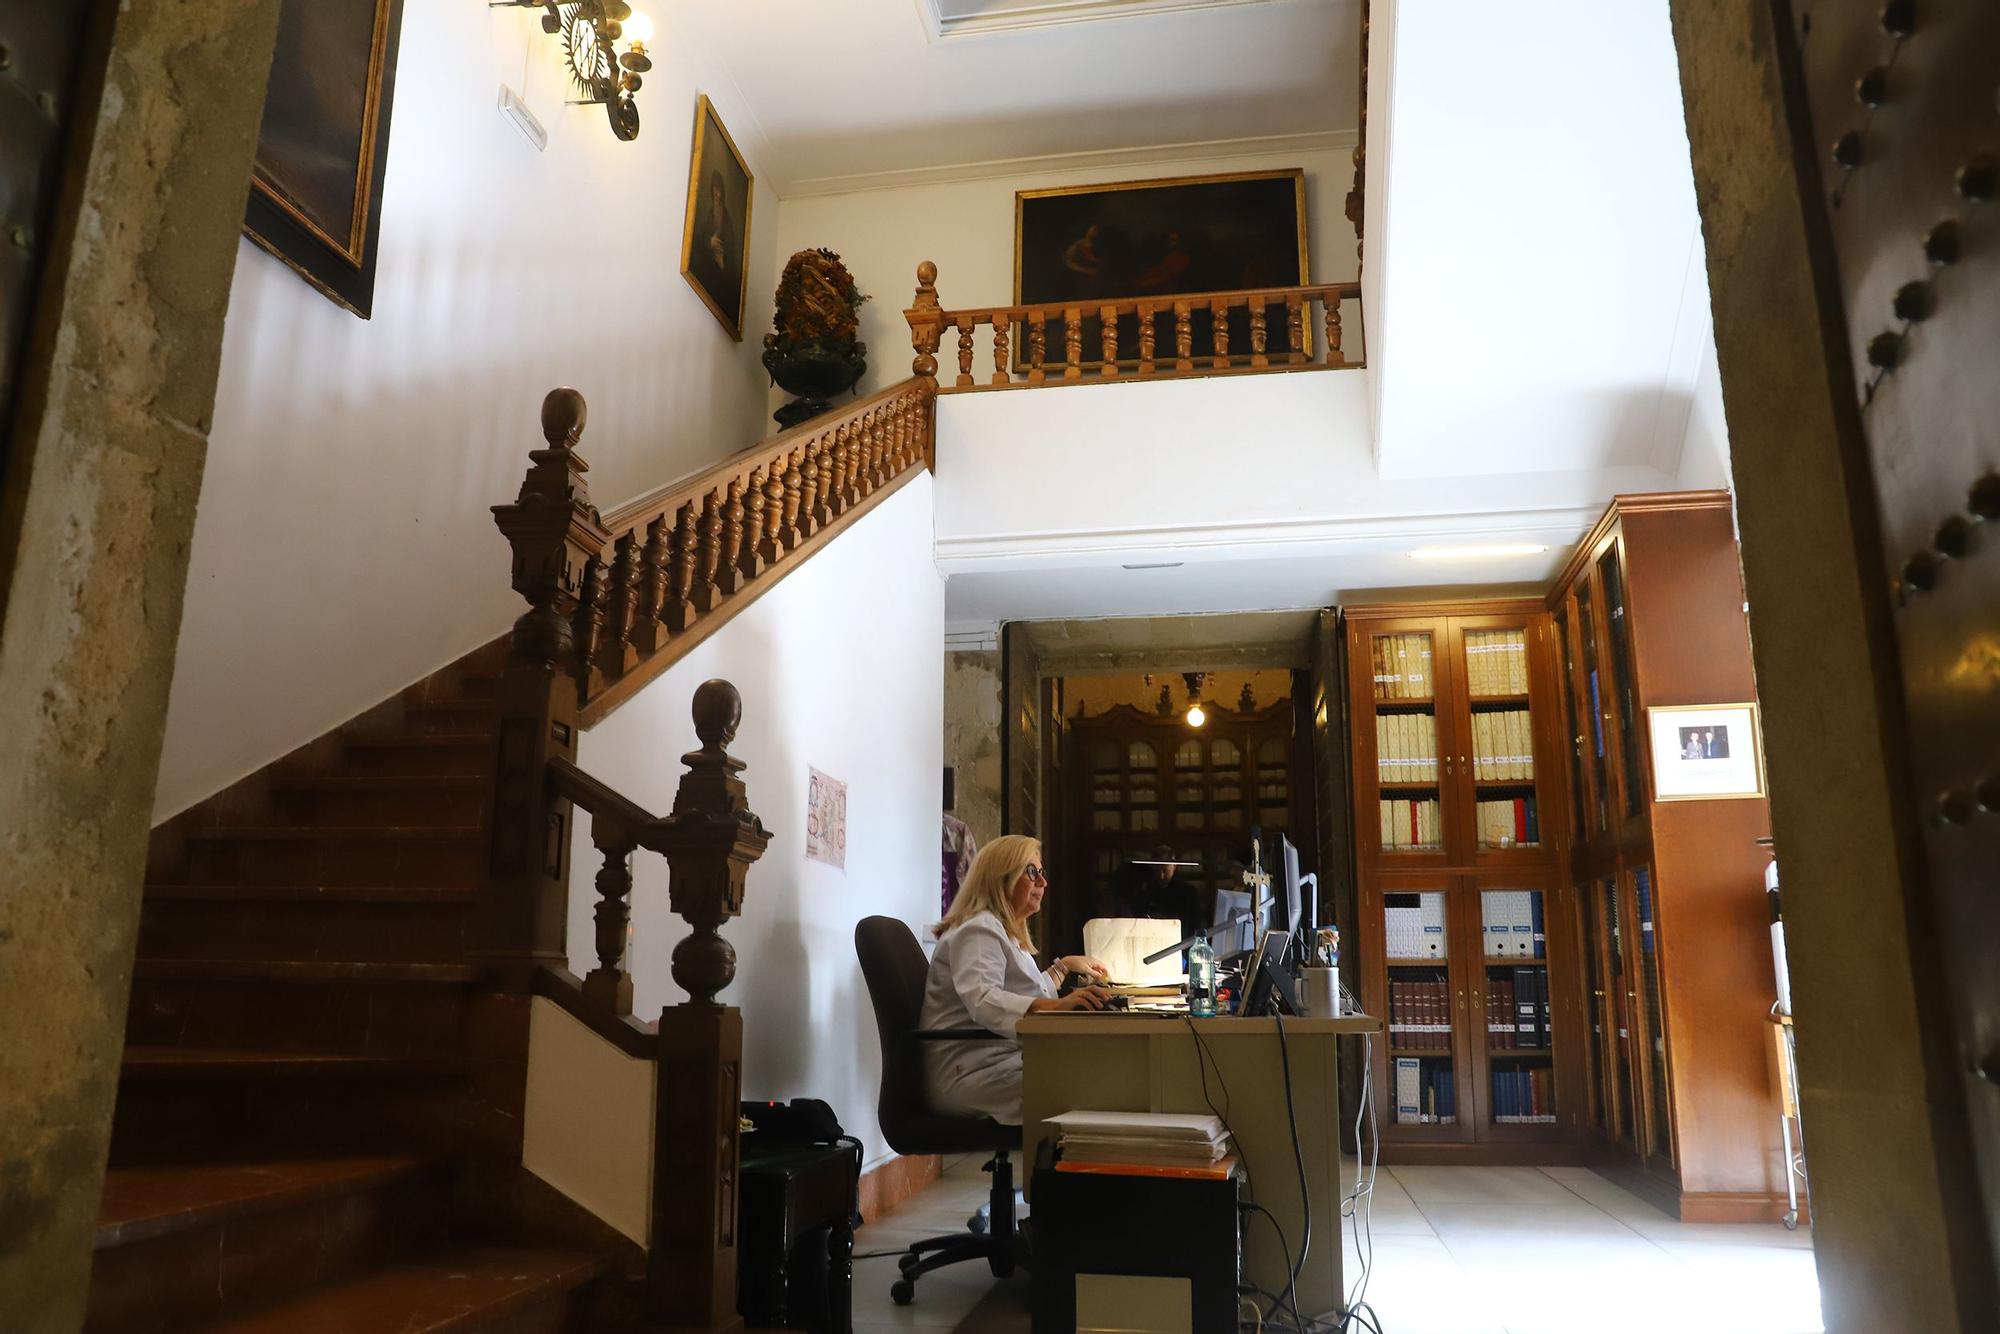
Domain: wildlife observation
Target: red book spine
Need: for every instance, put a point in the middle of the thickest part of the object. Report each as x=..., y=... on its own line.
x=1520, y=820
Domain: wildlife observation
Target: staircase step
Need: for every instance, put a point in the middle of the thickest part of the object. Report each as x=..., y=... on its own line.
x=195, y=1104
x=331, y=1005
x=401, y=799
x=337, y=854
x=299, y=970
x=395, y=754
x=178, y=1245
x=519, y=1292
x=451, y=717
x=381, y=923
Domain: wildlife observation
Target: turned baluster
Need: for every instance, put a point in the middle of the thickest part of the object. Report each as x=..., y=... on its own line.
x=1038, y=347
x=811, y=515
x=1295, y=329
x=878, y=445
x=1257, y=357
x=714, y=578
x=964, y=324
x=1183, y=336
x=906, y=437
x=1073, y=343
x=619, y=654
x=1218, y=332
x=687, y=558
x=656, y=559
x=729, y=574
x=1107, y=323
x=795, y=498
x=1147, y=334
x=843, y=467
x=774, y=545
x=885, y=458
x=821, y=497
x=608, y=984
x=589, y=629
x=1334, y=356
x=1003, y=328
x=751, y=561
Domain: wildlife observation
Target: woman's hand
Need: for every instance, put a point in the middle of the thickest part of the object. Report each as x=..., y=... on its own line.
x=1083, y=998
x=1083, y=963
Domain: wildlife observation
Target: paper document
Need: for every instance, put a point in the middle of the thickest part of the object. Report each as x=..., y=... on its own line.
x=1120, y=943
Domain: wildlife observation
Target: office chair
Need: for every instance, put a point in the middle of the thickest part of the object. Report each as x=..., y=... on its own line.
x=894, y=967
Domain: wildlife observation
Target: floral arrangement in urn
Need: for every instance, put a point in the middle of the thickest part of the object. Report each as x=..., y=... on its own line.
x=813, y=350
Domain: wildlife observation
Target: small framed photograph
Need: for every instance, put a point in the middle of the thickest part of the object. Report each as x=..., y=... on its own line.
x=1707, y=752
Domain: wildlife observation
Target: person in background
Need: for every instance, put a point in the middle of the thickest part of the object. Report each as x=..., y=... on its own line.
x=1150, y=889
x=983, y=975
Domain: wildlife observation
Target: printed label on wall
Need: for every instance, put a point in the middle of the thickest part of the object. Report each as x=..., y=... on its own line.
x=826, y=820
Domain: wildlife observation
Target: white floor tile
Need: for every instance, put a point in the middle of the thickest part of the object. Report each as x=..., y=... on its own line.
x=1474, y=1185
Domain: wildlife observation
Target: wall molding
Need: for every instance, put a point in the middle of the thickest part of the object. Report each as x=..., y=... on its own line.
x=1270, y=145
x=1028, y=15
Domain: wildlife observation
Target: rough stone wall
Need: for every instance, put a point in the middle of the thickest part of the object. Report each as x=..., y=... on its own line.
x=104, y=470
x=972, y=738
x=1880, y=1147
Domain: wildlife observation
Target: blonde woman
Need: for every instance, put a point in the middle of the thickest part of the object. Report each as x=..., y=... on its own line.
x=983, y=975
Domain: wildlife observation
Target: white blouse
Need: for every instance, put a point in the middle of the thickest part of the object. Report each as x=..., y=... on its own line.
x=979, y=978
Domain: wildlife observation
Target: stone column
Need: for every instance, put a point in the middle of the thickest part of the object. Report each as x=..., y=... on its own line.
x=103, y=469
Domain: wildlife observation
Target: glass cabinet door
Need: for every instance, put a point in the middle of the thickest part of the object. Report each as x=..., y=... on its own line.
x=1624, y=1126
x=1490, y=775
x=1591, y=684
x=1422, y=998
x=1591, y=942
x=1652, y=1023
x=1516, y=1045
x=1403, y=706
x=1574, y=727
x=1624, y=690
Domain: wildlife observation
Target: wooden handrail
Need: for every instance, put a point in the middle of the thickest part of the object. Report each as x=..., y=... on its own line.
x=661, y=573
x=1026, y=362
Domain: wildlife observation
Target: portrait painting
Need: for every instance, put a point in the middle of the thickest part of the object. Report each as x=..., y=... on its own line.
x=717, y=235
x=1706, y=751
x=1163, y=238
x=323, y=146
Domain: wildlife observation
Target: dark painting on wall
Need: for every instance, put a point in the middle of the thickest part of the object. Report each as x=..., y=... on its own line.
x=316, y=192
x=1165, y=238
x=717, y=234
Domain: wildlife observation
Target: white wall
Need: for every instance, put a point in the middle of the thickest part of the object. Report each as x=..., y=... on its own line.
x=1705, y=449
x=343, y=547
x=967, y=229
x=868, y=718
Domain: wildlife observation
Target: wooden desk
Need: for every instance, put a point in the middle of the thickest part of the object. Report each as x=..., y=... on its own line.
x=1078, y=1062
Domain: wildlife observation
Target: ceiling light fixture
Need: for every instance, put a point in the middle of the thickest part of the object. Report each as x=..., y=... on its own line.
x=1156, y=565
x=1493, y=551
x=1196, y=715
x=591, y=33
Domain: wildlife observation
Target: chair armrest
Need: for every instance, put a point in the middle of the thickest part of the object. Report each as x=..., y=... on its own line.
x=956, y=1034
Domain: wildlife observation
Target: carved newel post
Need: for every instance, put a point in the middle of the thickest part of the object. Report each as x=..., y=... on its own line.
x=558, y=540
x=926, y=326
x=709, y=841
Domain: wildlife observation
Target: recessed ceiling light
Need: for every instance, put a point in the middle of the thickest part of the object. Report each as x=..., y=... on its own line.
x=1489, y=552
x=1157, y=565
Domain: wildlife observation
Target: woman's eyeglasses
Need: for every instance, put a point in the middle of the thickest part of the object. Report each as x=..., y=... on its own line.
x=1036, y=874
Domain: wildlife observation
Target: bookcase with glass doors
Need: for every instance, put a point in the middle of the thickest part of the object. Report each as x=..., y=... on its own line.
x=1666, y=899
x=1464, y=940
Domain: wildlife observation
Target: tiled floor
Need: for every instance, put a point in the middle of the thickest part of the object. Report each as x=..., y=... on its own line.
x=1459, y=1250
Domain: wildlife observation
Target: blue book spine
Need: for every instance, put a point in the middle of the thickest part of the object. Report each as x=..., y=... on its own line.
x=1535, y=903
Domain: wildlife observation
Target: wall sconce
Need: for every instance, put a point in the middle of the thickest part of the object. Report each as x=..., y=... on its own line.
x=591, y=31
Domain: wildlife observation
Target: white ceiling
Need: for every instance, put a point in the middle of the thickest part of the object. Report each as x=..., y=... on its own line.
x=1533, y=245
x=861, y=89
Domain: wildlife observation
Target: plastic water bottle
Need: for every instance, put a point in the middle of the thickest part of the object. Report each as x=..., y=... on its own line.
x=1201, y=979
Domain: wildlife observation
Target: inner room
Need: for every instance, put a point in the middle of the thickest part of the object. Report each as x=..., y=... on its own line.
x=1003, y=666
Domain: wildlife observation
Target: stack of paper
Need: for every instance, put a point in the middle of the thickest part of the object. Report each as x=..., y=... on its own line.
x=1164, y=1139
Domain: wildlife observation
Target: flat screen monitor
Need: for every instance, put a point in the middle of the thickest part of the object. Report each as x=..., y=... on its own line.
x=1266, y=985
x=1294, y=904
x=1246, y=933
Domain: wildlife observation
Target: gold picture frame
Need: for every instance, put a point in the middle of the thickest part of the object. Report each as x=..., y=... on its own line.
x=1696, y=757
x=1167, y=238
x=717, y=265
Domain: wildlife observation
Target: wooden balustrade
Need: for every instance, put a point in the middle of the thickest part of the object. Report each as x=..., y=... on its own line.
x=1258, y=329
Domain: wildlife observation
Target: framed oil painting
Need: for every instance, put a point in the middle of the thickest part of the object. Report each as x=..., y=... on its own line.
x=1162, y=238
x=1706, y=752
x=316, y=187
x=718, y=220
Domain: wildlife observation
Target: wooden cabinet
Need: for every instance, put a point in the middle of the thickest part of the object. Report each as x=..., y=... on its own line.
x=1464, y=941
x=1665, y=898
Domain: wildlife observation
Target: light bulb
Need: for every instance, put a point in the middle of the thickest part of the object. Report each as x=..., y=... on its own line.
x=1196, y=715
x=638, y=29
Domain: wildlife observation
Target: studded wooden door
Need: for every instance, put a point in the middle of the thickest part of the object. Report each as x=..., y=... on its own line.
x=1904, y=107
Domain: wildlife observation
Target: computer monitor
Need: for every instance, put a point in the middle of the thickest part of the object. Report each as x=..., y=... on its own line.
x=1294, y=904
x=1267, y=986
x=1246, y=933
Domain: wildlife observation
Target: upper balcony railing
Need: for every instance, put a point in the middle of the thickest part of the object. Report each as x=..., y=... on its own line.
x=1146, y=338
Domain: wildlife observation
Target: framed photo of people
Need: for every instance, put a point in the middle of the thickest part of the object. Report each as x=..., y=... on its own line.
x=323, y=148
x=717, y=235
x=1706, y=752
x=1160, y=238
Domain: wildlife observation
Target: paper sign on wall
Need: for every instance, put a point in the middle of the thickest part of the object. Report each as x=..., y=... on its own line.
x=826, y=819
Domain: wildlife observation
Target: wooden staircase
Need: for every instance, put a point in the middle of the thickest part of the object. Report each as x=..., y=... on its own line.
x=318, y=1113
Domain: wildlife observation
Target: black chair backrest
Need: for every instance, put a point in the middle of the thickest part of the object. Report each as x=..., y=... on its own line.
x=894, y=967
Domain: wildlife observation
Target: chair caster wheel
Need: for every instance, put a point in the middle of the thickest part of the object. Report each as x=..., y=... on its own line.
x=1792, y=1220
x=902, y=1292
x=976, y=1225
